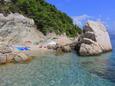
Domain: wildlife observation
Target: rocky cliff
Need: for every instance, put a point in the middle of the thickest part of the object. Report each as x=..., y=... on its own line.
x=16, y=28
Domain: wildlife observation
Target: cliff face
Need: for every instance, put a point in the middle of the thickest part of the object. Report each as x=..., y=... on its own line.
x=16, y=28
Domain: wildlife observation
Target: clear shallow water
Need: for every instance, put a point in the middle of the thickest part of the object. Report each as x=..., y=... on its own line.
x=103, y=66
x=65, y=70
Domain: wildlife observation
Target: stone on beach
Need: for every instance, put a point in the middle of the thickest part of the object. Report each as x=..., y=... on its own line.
x=66, y=48
x=63, y=48
x=21, y=57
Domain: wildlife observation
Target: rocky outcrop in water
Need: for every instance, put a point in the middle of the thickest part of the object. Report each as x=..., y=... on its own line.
x=94, y=40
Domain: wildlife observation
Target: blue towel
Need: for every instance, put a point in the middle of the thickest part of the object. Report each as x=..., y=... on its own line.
x=22, y=48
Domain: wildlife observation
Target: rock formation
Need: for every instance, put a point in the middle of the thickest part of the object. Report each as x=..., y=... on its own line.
x=16, y=28
x=94, y=40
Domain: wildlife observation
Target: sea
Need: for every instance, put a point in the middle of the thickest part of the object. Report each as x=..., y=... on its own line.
x=62, y=70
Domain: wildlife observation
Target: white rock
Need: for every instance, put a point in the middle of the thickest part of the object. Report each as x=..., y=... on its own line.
x=52, y=43
x=94, y=40
x=101, y=35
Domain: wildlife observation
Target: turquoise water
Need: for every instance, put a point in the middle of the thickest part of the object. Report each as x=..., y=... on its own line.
x=103, y=66
x=64, y=70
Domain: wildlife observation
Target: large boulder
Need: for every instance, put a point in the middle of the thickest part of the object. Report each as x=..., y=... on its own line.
x=90, y=49
x=101, y=34
x=94, y=40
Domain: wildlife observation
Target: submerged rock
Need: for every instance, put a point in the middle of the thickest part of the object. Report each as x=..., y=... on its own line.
x=94, y=40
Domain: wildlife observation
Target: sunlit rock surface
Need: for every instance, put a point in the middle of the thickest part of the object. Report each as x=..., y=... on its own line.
x=16, y=28
x=94, y=40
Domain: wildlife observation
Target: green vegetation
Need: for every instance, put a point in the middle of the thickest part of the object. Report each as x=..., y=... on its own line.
x=46, y=16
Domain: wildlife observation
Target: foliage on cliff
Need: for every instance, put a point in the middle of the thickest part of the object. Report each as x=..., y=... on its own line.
x=46, y=16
